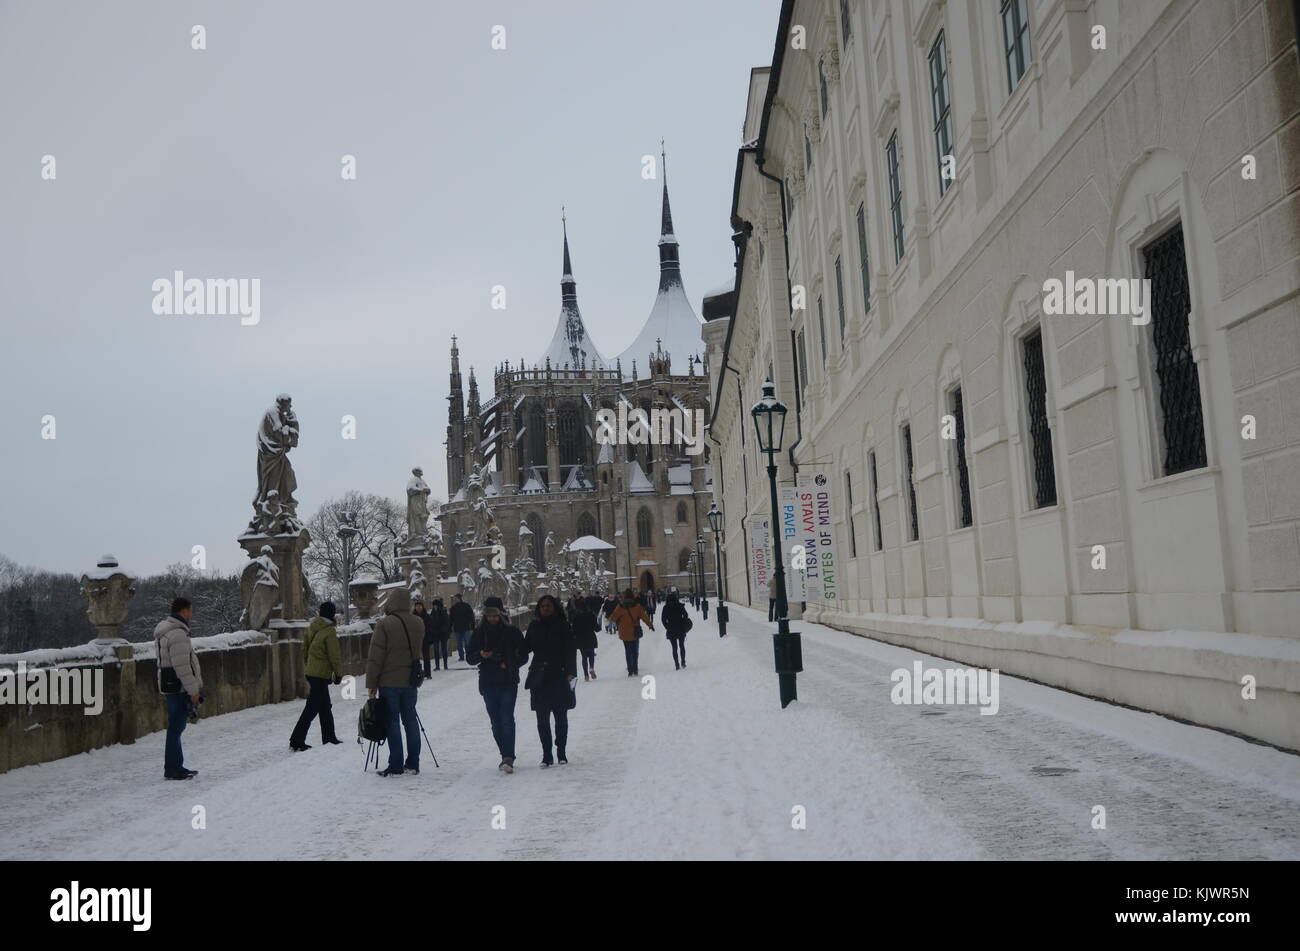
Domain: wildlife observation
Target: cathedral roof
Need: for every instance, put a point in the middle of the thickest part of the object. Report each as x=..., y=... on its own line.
x=571, y=345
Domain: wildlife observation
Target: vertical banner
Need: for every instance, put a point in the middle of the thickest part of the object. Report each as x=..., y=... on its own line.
x=792, y=558
x=815, y=525
x=759, y=540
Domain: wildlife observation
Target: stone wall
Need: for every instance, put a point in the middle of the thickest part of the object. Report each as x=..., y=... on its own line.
x=242, y=669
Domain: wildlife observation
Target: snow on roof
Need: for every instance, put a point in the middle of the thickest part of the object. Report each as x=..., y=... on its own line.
x=680, y=490
x=575, y=483
x=636, y=480
x=673, y=326
x=725, y=288
x=571, y=345
x=679, y=475
x=533, y=486
x=606, y=454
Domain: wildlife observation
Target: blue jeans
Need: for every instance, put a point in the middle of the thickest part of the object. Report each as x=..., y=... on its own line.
x=632, y=649
x=500, y=703
x=401, y=713
x=173, y=758
x=462, y=641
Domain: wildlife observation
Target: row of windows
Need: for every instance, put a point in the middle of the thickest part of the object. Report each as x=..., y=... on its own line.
x=1174, y=378
x=1015, y=30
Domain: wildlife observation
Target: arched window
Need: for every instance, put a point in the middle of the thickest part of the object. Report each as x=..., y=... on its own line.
x=643, y=525
x=586, y=524
x=683, y=561
x=536, y=438
x=681, y=513
x=572, y=437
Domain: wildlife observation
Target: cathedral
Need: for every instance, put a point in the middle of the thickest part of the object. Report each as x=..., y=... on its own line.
x=536, y=449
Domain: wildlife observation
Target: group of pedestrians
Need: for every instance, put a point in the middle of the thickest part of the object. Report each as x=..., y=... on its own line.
x=404, y=642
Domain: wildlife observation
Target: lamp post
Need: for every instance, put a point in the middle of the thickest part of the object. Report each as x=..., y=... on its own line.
x=346, y=532
x=704, y=582
x=715, y=525
x=769, y=421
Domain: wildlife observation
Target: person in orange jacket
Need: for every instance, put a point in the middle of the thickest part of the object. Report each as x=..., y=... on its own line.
x=627, y=617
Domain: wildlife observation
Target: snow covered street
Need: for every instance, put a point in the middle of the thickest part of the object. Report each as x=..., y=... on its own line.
x=709, y=768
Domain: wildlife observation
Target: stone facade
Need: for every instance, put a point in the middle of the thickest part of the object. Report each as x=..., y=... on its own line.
x=1085, y=160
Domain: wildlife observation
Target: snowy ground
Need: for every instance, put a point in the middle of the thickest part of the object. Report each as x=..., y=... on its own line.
x=710, y=768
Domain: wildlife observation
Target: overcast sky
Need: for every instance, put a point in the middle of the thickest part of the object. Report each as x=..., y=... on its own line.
x=225, y=163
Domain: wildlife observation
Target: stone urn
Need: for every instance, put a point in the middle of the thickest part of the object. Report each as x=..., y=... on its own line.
x=365, y=595
x=108, y=590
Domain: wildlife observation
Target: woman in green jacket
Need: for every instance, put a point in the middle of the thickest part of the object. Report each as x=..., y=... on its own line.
x=324, y=663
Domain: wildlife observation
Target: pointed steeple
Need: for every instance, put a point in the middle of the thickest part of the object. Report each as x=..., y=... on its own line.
x=571, y=345
x=669, y=264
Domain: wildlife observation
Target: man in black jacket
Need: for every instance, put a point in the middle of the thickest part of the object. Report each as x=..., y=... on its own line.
x=497, y=648
x=462, y=622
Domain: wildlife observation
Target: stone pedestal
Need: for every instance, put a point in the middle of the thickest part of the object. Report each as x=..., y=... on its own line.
x=107, y=590
x=289, y=617
x=365, y=595
x=430, y=568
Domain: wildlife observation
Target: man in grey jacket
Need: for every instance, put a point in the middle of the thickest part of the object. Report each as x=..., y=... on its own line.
x=394, y=647
x=179, y=681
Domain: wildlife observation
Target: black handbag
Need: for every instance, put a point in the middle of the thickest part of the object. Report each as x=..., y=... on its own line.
x=417, y=667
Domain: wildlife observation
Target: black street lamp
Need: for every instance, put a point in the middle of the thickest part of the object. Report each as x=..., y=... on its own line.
x=704, y=584
x=769, y=420
x=346, y=532
x=715, y=525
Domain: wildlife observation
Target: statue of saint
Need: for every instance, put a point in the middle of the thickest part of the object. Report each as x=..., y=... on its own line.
x=275, y=509
x=417, y=507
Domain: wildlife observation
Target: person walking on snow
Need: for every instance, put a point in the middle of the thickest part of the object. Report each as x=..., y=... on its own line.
x=627, y=617
x=441, y=634
x=320, y=646
x=497, y=649
x=550, y=676
x=179, y=681
x=585, y=627
x=676, y=623
x=394, y=652
x=462, y=622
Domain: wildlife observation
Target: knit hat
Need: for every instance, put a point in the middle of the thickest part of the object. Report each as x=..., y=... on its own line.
x=327, y=610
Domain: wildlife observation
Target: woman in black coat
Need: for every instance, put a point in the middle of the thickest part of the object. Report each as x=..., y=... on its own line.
x=676, y=623
x=585, y=627
x=441, y=629
x=554, y=668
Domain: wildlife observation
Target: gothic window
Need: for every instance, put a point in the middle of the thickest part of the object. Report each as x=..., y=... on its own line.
x=1182, y=429
x=586, y=524
x=825, y=93
x=821, y=326
x=845, y=29
x=684, y=561
x=643, y=526
x=1043, y=467
x=572, y=437
x=536, y=439
x=964, y=515
x=801, y=348
x=681, y=513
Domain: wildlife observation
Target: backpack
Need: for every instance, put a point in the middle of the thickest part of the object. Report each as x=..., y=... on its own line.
x=372, y=721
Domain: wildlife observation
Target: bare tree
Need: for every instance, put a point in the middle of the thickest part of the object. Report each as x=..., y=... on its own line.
x=380, y=524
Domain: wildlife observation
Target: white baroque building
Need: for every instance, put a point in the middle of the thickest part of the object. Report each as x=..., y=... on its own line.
x=1170, y=447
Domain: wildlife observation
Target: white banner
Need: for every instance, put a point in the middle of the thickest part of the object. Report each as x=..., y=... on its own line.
x=792, y=560
x=815, y=525
x=759, y=536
